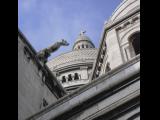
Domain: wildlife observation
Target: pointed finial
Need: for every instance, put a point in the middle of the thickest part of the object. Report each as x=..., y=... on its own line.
x=82, y=32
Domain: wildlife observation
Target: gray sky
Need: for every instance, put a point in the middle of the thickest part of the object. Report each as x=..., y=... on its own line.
x=44, y=22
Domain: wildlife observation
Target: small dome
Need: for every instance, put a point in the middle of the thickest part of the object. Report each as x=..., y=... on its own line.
x=82, y=37
x=83, y=42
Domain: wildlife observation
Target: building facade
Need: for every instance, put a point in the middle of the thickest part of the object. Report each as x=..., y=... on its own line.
x=112, y=96
x=73, y=69
x=120, y=40
x=37, y=87
x=113, y=89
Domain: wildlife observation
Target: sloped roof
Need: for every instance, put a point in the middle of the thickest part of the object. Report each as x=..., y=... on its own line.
x=73, y=57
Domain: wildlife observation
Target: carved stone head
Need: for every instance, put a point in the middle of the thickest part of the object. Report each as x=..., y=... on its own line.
x=64, y=42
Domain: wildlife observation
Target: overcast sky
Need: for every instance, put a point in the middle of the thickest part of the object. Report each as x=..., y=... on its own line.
x=44, y=22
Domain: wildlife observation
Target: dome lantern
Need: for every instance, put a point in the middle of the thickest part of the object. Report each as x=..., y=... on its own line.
x=83, y=42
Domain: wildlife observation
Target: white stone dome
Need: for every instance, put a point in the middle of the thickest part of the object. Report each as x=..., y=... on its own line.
x=73, y=58
x=73, y=69
x=126, y=7
x=83, y=42
x=78, y=62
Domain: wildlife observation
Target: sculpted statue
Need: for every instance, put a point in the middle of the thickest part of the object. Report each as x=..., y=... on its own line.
x=45, y=53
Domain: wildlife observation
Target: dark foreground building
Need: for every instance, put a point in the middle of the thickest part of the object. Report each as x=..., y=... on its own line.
x=37, y=87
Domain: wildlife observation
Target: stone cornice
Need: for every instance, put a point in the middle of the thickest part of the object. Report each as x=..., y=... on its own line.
x=73, y=66
x=132, y=67
x=117, y=11
x=59, y=92
x=80, y=56
x=24, y=39
x=109, y=26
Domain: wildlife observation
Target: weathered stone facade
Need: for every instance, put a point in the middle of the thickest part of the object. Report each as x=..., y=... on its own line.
x=113, y=91
x=73, y=69
x=33, y=93
x=113, y=95
x=116, y=43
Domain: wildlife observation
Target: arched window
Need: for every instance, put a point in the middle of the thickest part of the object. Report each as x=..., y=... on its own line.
x=135, y=43
x=63, y=79
x=101, y=60
x=99, y=68
x=69, y=77
x=82, y=46
x=76, y=77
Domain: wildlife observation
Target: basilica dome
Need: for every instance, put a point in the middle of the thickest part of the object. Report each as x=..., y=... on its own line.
x=72, y=58
x=73, y=69
x=83, y=42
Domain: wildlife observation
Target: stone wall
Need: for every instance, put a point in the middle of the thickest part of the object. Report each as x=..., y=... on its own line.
x=116, y=47
x=117, y=40
x=32, y=91
x=119, y=89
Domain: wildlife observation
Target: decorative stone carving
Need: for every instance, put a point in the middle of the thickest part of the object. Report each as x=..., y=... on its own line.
x=45, y=53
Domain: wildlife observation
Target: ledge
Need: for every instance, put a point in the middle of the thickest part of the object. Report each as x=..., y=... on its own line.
x=111, y=79
x=59, y=91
